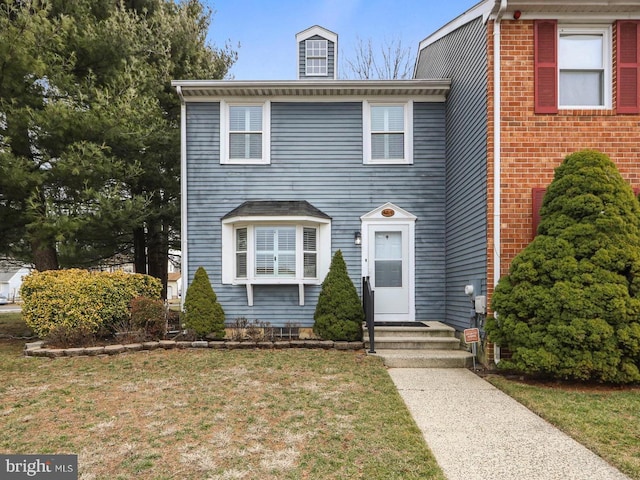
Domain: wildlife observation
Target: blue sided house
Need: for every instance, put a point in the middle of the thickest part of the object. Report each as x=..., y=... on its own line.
x=430, y=186
x=279, y=175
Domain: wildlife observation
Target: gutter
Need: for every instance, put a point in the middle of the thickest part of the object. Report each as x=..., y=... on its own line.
x=496, y=154
x=184, y=266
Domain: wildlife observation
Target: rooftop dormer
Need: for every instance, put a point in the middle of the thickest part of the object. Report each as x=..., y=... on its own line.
x=317, y=54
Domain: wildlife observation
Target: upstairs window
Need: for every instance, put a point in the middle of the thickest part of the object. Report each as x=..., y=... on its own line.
x=316, y=57
x=573, y=67
x=245, y=133
x=584, y=67
x=388, y=133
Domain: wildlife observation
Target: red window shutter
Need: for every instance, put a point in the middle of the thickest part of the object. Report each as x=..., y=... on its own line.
x=628, y=66
x=546, y=66
x=537, y=195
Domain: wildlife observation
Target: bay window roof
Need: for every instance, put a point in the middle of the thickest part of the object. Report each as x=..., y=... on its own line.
x=276, y=208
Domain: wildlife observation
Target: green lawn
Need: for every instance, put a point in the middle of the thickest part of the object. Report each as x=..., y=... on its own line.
x=194, y=414
x=12, y=325
x=286, y=414
x=605, y=419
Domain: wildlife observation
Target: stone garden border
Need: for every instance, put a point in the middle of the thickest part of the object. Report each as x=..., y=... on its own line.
x=38, y=349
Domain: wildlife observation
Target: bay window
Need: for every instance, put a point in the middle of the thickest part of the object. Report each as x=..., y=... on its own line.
x=277, y=249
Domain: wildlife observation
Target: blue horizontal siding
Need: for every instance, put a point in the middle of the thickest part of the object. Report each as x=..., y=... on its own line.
x=316, y=155
x=461, y=56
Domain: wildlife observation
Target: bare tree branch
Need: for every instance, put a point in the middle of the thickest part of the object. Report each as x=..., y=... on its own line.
x=391, y=61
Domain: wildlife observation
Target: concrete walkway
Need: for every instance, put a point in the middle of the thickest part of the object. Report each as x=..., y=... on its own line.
x=476, y=432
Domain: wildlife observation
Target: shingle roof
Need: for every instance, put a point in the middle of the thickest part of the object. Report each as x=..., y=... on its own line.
x=276, y=208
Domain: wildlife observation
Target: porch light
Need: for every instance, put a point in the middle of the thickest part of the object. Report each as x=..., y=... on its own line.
x=357, y=238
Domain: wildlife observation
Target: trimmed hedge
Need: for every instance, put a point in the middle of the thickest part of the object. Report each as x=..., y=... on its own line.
x=202, y=312
x=339, y=313
x=76, y=298
x=570, y=306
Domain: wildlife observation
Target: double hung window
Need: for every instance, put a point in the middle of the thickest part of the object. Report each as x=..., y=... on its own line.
x=574, y=66
x=316, y=57
x=245, y=136
x=388, y=132
x=584, y=68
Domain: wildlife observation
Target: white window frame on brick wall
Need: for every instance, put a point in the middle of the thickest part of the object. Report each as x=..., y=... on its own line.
x=606, y=63
x=226, y=132
x=248, y=250
x=368, y=133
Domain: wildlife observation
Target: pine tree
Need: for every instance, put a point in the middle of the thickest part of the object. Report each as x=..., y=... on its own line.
x=202, y=312
x=90, y=130
x=570, y=306
x=339, y=314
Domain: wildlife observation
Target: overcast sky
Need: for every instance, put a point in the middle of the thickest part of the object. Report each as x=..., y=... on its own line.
x=266, y=29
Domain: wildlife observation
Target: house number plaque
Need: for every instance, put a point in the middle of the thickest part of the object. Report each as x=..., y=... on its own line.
x=388, y=212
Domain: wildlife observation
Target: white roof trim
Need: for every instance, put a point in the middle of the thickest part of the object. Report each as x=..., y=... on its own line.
x=399, y=214
x=317, y=30
x=192, y=90
x=484, y=9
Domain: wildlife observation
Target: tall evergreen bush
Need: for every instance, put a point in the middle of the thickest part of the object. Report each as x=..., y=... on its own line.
x=339, y=314
x=570, y=306
x=202, y=312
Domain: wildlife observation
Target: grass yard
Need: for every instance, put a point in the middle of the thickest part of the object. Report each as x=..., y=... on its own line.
x=12, y=325
x=604, y=419
x=196, y=414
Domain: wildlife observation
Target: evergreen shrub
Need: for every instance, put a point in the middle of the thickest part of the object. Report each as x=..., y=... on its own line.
x=203, y=314
x=90, y=301
x=339, y=313
x=570, y=306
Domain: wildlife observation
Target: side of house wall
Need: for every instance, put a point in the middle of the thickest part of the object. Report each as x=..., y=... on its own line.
x=534, y=144
x=462, y=57
x=317, y=156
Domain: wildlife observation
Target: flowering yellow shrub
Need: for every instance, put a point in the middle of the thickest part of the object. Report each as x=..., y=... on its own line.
x=78, y=298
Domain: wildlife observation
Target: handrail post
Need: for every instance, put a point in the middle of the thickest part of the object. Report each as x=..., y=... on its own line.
x=368, y=305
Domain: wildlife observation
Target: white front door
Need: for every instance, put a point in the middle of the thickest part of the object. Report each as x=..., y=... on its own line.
x=388, y=255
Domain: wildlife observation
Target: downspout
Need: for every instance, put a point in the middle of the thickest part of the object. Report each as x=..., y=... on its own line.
x=184, y=264
x=496, y=154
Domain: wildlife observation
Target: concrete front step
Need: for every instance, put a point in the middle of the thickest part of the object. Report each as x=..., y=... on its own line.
x=426, y=329
x=414, y=343
x=425, y=358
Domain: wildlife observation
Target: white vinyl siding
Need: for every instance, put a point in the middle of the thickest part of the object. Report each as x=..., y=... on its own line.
x=584, y=67
x=245, y=133
x=388, y=133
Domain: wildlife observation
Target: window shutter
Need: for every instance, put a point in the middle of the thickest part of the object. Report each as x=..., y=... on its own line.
x=537, y=196
x=628, y=66
x=546, y=66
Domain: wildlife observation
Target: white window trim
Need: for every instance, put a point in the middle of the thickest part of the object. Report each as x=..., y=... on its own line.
x=324, y=57
x=607, y=54
x=323, y=252
x=266, y=134
x=408, y=133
